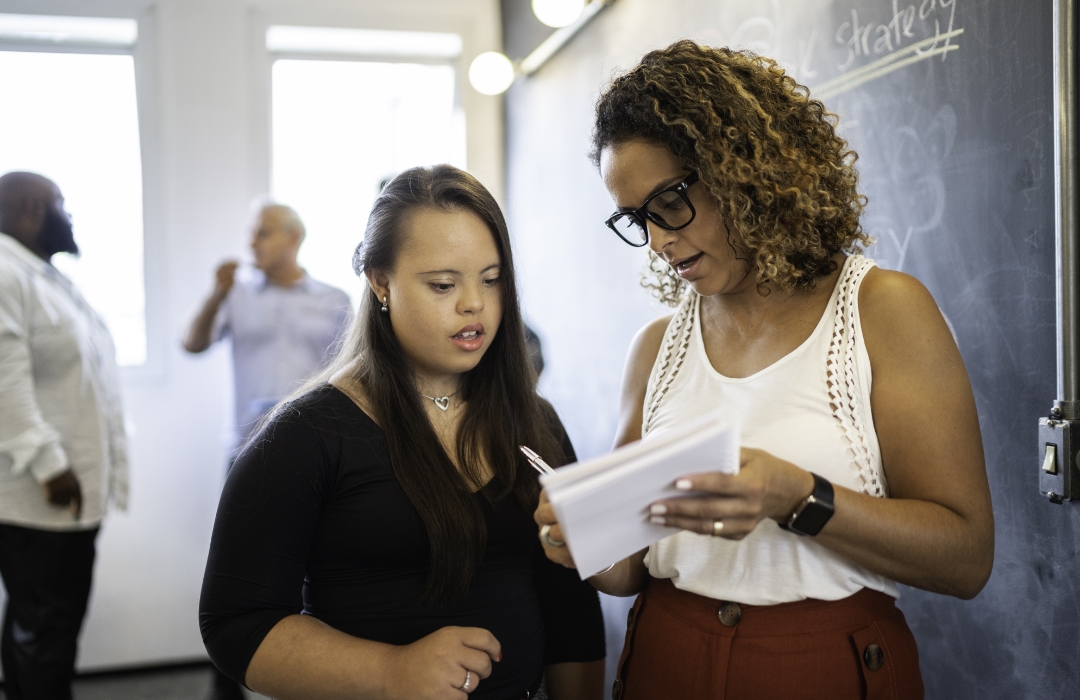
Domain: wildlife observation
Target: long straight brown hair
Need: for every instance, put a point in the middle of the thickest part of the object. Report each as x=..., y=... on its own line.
x=502, y=408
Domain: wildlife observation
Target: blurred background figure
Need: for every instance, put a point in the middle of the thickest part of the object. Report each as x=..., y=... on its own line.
x=282, y=322
x=283, y=325
x=63, y=450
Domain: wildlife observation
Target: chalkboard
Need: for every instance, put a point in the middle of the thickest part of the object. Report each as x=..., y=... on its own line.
x=949, y=105
x=956, y=156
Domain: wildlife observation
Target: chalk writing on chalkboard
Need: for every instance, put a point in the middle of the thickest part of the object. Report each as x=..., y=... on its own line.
x=900, y=41
x=909, y=183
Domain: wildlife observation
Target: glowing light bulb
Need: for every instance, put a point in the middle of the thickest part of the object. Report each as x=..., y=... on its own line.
x=557, y=13
x=491, y=73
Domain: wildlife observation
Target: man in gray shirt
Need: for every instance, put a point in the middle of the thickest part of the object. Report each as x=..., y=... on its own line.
x=283, y=323
x=283, y=326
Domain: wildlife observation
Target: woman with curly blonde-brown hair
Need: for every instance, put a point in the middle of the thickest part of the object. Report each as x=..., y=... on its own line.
x=781, y=580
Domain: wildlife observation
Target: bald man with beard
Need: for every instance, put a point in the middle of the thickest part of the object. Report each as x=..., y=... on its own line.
x=63, y=452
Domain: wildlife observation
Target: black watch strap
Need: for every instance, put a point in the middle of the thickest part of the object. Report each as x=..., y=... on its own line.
x=814, y=512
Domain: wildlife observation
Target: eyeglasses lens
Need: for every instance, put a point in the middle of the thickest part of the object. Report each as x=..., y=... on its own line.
x=631, y=231
x=670, y=210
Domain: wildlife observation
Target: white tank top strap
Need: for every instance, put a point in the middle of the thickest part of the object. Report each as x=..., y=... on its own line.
x=846, y=385
x=677, y=339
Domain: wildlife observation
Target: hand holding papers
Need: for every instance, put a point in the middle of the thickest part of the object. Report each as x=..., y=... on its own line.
x=602, y=504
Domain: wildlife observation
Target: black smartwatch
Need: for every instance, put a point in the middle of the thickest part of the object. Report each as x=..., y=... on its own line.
x=814, y=512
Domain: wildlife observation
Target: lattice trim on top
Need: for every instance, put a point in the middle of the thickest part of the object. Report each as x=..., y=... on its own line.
x=841, y=378
x=670, y=360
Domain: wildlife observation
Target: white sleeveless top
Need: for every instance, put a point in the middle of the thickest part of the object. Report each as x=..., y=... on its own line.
x=811, y=408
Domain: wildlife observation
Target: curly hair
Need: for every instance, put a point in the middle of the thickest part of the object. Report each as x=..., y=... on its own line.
x=767, y=154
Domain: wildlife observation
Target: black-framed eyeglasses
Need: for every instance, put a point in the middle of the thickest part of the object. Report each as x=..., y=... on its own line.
x=670, y=209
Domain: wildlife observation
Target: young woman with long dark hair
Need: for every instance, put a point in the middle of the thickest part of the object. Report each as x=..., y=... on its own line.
x=862, y=464
x=374, y=538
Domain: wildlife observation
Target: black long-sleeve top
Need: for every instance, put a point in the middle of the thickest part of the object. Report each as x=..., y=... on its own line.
x=313, y=520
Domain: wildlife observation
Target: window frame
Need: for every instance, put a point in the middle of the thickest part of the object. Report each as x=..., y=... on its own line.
x=262, y=62
x=273, y=56
x=143, y=53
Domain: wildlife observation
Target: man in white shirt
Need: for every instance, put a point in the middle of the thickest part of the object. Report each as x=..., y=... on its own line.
x=283, y=323
x=63, y=453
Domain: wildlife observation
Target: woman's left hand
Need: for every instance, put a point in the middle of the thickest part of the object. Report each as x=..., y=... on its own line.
x=765, y=487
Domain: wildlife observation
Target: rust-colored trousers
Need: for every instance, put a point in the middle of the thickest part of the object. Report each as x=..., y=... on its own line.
x=684, y=646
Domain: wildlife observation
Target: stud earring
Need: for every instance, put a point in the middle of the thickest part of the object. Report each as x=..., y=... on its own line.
x=385, y=309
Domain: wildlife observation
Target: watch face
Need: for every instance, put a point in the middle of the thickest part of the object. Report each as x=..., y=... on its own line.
x=813, y=517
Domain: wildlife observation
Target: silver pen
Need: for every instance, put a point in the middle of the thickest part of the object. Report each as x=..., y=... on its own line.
x=534, y=459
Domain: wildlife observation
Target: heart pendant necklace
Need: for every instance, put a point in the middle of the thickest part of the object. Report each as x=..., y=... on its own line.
x=443, y=402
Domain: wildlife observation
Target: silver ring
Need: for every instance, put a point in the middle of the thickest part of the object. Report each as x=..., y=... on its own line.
x=717, y=527
x=468, y=681
x=545, y=537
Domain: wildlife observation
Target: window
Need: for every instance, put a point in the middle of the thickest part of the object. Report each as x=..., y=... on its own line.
x=340, y=127
x=73, y=118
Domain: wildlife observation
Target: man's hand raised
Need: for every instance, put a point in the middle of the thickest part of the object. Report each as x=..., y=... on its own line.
x=225, y=277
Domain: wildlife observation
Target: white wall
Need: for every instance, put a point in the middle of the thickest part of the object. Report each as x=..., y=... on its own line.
x=205, y=114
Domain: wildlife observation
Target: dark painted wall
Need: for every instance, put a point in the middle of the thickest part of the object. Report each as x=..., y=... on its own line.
x=956, y=159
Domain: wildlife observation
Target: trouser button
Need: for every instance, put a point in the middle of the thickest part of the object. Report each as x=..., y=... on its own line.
x=730, y=613
x=874, y=657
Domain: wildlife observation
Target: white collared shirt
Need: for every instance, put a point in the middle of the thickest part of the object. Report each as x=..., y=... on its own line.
x=280, y=337
x=59, y=396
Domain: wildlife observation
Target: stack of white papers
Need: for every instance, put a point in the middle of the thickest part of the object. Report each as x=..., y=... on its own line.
x=602, y=504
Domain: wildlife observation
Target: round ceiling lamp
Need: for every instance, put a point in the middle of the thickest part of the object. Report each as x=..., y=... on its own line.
x=558, y=13
x=491, y=73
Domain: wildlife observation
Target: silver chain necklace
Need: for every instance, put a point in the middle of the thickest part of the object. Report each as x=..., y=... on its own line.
x=442, y=402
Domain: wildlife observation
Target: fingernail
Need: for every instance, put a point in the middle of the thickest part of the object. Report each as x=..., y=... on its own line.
x=657, y=521
x=684, y=484
x=658, y=509
x=500, y=658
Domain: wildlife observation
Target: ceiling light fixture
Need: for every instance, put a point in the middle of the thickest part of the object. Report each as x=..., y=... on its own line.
x=491, y=73
x=558, y=13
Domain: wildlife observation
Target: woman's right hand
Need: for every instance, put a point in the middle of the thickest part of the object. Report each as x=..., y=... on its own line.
x=545, y=515
x=434, y=668
x=624, y=578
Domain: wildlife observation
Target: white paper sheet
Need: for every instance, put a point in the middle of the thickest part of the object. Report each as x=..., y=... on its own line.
x=602, y=503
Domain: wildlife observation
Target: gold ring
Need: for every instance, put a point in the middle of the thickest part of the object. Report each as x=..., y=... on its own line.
x=717, y=527
x=545, y=537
